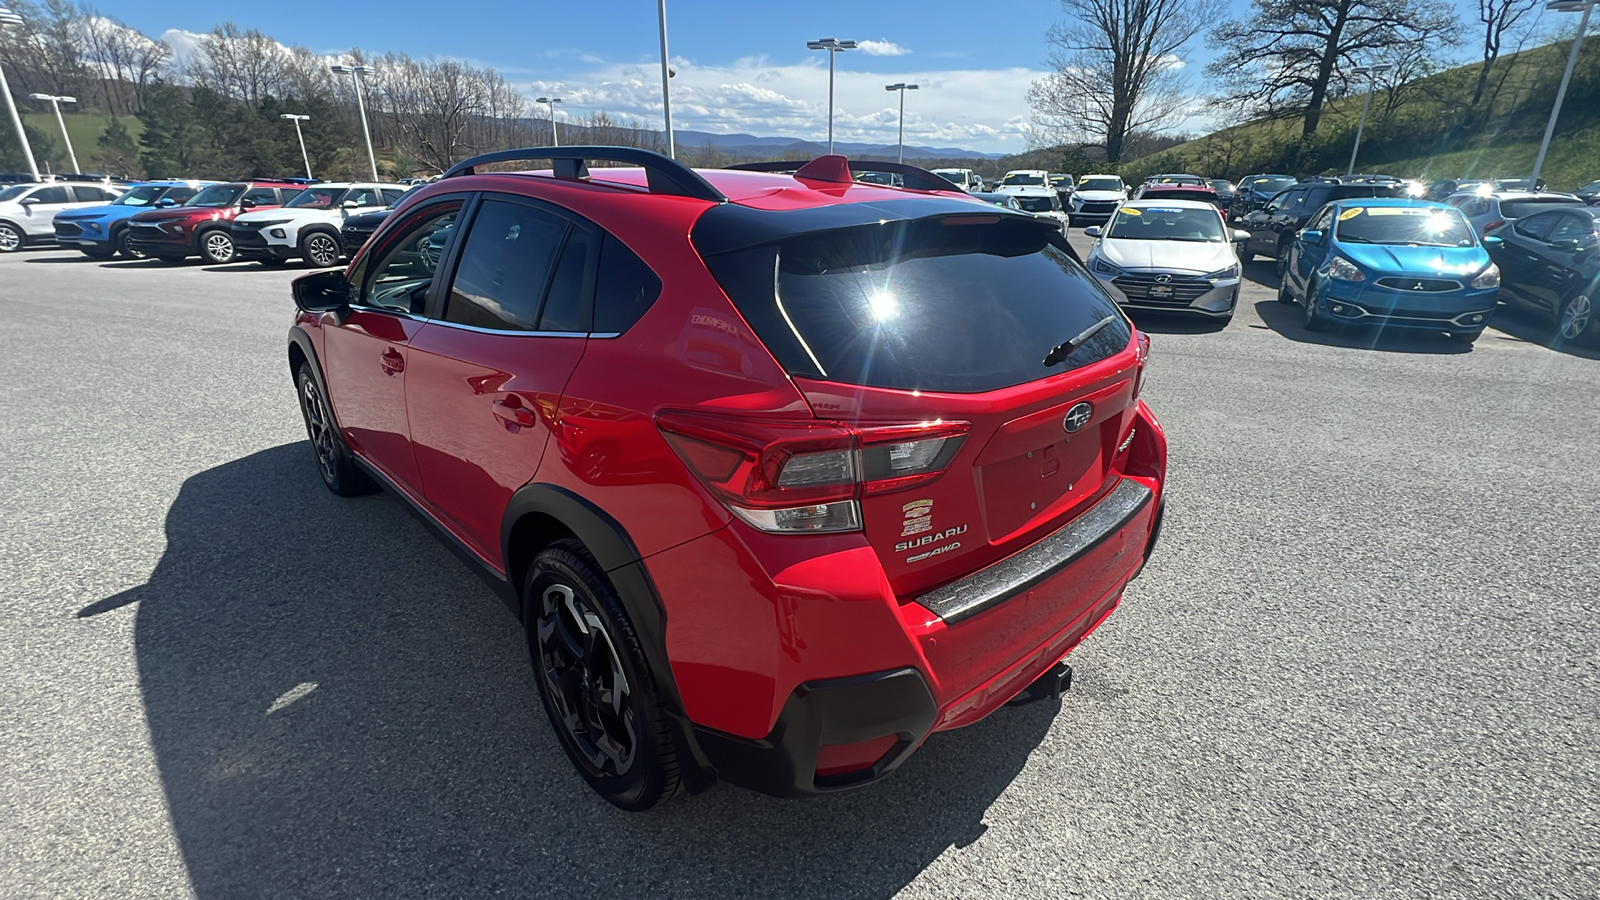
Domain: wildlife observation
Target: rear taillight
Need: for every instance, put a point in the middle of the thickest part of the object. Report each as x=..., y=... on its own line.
x=790, y=477
x=1144, y=356
x=1493, y=225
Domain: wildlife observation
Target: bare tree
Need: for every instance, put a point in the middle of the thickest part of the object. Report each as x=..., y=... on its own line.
x=1288, y=55
x=1116, y=70
x=245, y=65
x=1499, y=18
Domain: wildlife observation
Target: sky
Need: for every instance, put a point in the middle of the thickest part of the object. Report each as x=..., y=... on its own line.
x=742, y=67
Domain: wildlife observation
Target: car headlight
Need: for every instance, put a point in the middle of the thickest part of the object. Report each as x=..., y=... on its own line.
x=1343, y=270
x=1105, y=268
x=1224, y=274
x=1488, y=278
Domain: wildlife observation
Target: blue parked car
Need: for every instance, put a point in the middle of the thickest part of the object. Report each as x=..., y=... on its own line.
x=1392, y=263
x=101, y=231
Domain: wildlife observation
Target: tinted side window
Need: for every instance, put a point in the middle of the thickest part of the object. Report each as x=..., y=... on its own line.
x=625, y=288
x=1286, y=198
x=53, y=195
x=1573, y=228
x=180, y=194
x=363, y=197
x=1537, y=227
x=505, y=266
x=263, y=196
x=1315, y=197
x=390, y=195
x=566, y=304
x=401, y=281
x=1321, y=220
x=84, y=194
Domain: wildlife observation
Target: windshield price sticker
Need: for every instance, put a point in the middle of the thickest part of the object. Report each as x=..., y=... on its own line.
x=1402, y=211
x=1351, y=213
x=1128, y=211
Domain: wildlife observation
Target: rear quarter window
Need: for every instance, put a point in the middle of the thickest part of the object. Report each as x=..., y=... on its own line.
x=922, y=305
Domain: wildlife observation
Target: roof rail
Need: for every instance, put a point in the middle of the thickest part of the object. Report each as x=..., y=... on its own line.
x=663, y=174
x=915, y=178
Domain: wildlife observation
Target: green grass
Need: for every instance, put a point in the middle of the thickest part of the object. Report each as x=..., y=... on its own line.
x=84, y=128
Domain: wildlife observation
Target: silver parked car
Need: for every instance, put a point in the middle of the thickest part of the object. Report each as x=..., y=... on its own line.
x=1490, y=210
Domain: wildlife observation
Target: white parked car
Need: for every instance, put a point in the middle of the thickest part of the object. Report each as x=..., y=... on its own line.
x=1095, y=198
x=27, y=210
x=966, y=179
x=1168, y=255
x=1043, y=202
x=307, y=227
x=1020, y=179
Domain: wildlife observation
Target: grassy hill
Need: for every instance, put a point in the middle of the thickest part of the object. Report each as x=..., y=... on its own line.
x=1431, y=132
x=84, y=128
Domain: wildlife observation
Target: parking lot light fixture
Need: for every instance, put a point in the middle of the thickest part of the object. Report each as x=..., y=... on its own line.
x=666, y=74
x=9, y=19
x=296, y=119
x=555, y=139
x=56, y=101
x=902, y=87
x=1587, y=6
x=356, y=72
x=1372, y=73
x=834, y=47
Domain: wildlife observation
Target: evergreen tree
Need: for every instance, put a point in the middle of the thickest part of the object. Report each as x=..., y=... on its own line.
x=12, y=158
x=175, y=143
x=119, y=153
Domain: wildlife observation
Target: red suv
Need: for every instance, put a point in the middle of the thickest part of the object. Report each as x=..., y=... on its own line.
x=781, y=472
x=200, y=226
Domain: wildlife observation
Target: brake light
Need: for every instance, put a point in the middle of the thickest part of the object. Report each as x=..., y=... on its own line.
x=1144, y=356
x=1493, y=225
x=790, y=477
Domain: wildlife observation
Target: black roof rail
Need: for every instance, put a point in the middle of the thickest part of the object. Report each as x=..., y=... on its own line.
x=663, y=174
x=915, y=178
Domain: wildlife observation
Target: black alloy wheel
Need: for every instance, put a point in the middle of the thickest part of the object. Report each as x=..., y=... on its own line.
x=334, y=462
x=320, y=249
x=1577, y=316
x=124, y=244
x=216, y=246
x=595, y=683
x=1315, y=320
x=10, y=238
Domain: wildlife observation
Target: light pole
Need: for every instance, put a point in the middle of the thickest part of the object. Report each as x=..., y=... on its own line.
x=555, y=139
x=1561, y=93
x=902, y=87
x=10, y=19
x=297, y=120
x=356, y=72
x=833, y=47
x=56, y=102
x=666, y=73
x=1372, y=73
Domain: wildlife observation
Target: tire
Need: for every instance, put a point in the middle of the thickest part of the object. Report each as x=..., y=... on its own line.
x=1282, y=261
x=334, y=460
x=124, y=246
x=597, y=688
x=216, y=247
x=320, y=249
x=1315, y=320
x=1578, y=320
x=1246, y=257
x=11, y=238
x=1285, y=295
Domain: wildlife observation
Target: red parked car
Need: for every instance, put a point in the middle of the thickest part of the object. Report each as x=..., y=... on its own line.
x=782, y=473
x=199, y=227
x=1161, y=190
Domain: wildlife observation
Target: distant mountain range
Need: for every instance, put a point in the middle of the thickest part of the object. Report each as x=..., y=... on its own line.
x=751, y=145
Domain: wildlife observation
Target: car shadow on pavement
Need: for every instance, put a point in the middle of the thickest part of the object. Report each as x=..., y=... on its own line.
x=338, y=708
x=1164, y=323
x=1522, y=325
x=1289, y=321
x=246, y=266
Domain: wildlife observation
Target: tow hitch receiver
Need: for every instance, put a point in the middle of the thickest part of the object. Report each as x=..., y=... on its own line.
x=1052, y=684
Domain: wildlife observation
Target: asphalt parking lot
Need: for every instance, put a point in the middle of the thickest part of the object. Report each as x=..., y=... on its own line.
x=1363, y=662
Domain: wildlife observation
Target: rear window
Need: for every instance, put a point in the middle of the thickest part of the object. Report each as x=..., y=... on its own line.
x=1516, y=209
x=925, y=305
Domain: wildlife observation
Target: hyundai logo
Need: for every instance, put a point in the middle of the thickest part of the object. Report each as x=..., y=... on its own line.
x=1163, y=279
x=1077, y=417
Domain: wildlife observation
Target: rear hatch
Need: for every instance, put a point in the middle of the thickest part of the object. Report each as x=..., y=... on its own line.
x=945, y=324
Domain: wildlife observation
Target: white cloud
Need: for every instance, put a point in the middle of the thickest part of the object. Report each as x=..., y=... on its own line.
x=882, y=48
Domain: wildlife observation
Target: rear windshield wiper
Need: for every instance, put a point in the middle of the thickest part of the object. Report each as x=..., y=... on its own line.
x=1060, y=352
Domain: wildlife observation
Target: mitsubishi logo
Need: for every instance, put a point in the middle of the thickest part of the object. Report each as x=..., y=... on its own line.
x=1163, y=279
x=1077, y=417
x=1419, y=286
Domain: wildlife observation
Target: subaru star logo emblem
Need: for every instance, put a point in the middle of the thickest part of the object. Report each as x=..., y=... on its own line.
x=1163, y=279
x=1077, y=417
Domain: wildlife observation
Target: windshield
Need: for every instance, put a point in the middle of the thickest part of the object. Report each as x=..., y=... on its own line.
x=1220, y=184
x=951, y=176
x=1161, y=223
x=1419, y=225
x=217, y=196
x=316, y=198
x=1269, y=184
x=1018, y=178
x=140, y=196
x=1516, y=209
x=1036, y=204
x=13, y=192
x=922, y=305
x=1100, y=184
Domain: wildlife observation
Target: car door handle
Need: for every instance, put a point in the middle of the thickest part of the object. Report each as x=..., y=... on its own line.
x=392, y=362
x=511, y=411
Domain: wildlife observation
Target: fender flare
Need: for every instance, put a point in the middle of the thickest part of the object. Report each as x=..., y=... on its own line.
x=300, y=340
x=200, y=232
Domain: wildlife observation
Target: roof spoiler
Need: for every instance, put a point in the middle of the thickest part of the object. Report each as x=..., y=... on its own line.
x=835, y=169
x=663, y=174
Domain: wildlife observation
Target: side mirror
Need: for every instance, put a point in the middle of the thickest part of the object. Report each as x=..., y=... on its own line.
x=1492, y=243
x=350, y=204
x=1240, y=235
x=29, y=201
x=166, y=202
x=1093, y=231
x=1311, y=237
x=247, y=203
x=325, y=291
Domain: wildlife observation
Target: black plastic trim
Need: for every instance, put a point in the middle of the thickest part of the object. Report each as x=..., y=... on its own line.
x=1000, y=582
x=731, y=227
x=663, y=174
x=915, y=178
x=830, y=711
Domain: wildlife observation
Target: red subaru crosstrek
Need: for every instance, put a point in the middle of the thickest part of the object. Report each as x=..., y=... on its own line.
x=199, y=226
x=782, y=472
